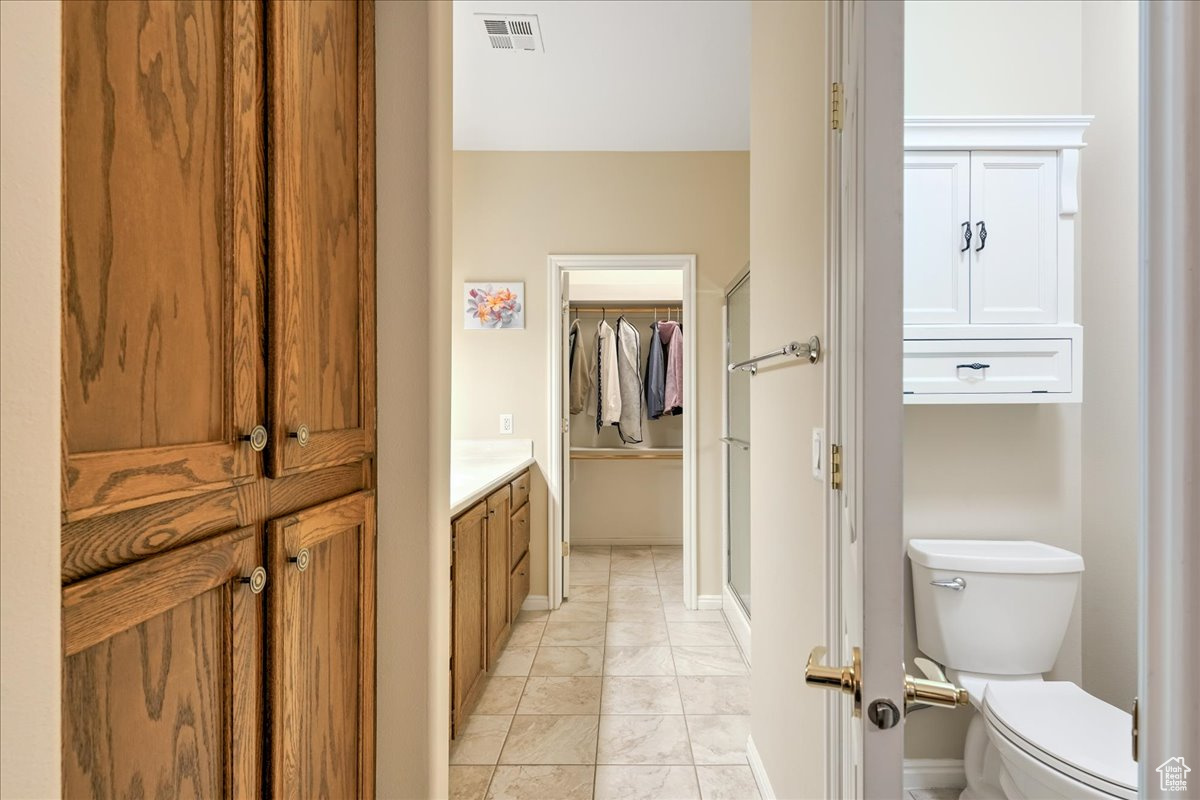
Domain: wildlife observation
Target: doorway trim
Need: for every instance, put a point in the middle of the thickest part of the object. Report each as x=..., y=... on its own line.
x=735, y=613
x=556, y=265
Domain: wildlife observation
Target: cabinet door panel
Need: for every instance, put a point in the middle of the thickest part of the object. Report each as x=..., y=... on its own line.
x=322, y=240
x=499, y=566
x=162, y=242
x=468, y=592
x=1014, y=274
x=322, y=656
x=937, y=193
x=162, y=676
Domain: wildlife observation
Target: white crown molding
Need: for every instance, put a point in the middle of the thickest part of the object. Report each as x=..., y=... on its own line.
x=996, y=133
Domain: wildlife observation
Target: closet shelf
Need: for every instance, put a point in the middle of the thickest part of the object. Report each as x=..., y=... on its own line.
x=626, y=453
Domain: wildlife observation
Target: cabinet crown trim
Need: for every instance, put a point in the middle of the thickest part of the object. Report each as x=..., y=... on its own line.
x=1046, y=132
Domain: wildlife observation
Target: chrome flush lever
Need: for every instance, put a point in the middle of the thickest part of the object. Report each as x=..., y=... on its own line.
x=956, y=584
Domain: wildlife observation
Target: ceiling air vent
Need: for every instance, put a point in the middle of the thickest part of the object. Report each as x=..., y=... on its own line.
x=513, y=31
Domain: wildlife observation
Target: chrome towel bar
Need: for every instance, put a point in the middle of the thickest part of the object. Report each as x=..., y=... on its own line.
x=810, y=350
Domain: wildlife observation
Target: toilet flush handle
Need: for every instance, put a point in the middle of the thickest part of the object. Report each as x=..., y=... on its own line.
x=957, y=584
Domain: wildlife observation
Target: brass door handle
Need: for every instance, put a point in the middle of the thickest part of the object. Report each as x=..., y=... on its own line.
x=257, y=580
x=257, y=438
x=301, y=435
x=301, y=559
x=841, y=679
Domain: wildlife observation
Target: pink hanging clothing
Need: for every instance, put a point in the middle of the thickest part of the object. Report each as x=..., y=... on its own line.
x=671, y=334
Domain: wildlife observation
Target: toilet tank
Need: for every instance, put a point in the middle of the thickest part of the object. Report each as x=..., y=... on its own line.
x=1011, y=612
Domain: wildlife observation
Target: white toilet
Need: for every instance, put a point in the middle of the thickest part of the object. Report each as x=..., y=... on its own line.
x=993, y=614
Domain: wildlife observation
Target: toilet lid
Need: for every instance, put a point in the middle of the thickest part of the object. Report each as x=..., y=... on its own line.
x=1066, y=728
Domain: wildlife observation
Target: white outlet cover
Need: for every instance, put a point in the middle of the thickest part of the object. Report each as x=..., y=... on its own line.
x=506, y=424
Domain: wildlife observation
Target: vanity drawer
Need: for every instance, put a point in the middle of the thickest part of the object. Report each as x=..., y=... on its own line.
x=518, y=587
x=520, y=534
x=987, y=366
x=520, y=490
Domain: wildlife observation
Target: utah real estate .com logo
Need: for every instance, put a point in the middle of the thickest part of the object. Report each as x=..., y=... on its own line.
x=1172, y=775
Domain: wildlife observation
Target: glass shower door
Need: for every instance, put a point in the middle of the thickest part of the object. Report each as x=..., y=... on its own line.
x=737, y=440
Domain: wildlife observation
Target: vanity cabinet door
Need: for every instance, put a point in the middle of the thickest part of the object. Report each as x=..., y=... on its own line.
x=499, y=567
x=937, y=215
x=162, y=675
x=322, y=650
x=1014, y=270
x=162, y=251
x=468, y=635
x=321, y=170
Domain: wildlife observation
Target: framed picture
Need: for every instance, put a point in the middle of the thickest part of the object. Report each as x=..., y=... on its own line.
x=495, y=305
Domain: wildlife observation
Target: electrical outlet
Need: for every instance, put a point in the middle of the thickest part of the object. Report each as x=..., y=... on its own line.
x=506, y=424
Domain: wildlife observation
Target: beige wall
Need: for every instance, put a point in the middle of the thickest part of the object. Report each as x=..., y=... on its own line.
x=992, y=57
x=1059, y=474
x=1109, y=212
x=413, y=131
x=30, y=177
x=512, y=210
x=787, y=180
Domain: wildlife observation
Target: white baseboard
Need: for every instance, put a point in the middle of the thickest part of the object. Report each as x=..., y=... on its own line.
x=632, y=541
x=536, y=602
x=759, y=771
x=934, y=773
x=708, y=602
x=738, y=622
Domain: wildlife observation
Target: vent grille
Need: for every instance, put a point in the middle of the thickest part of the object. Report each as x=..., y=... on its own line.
x=513, y=32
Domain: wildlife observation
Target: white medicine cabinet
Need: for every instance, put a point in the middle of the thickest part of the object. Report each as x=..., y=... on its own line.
x=989, y=259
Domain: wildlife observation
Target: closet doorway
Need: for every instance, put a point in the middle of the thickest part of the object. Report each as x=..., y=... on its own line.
x=592, y=466
x=736, y=443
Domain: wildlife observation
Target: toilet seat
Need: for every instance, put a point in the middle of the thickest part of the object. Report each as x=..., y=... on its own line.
x=1067, y=730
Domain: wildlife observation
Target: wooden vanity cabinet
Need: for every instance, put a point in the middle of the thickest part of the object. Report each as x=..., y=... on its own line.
x=468, y=634
x=499, y=566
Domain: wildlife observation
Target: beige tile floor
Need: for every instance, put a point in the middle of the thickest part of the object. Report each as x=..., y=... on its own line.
x=621, y=693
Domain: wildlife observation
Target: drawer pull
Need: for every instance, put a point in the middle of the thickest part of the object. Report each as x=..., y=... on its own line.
x=301, y=435
x=982, y=237
x=975, y=365
x=256, y=437
x=966, y=237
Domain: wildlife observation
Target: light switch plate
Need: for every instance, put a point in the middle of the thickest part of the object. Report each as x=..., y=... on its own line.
x=506, y=424
x=818, y=454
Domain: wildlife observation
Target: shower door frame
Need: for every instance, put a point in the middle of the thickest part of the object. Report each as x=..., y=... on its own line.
x=560, y=460
x=735, y=611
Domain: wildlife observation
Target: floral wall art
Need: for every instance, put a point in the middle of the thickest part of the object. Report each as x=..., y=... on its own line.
x=495, y=305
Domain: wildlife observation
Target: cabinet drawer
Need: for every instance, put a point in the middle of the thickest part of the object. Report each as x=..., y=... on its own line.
x=987, y=366
x=520, y=490
x=520, y=533
x=519, y=587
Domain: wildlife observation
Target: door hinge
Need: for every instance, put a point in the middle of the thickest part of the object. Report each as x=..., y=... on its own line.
x=1134, y=731
x=835, y=466
x=566, y=548
x=566, y=425
x=835, y=107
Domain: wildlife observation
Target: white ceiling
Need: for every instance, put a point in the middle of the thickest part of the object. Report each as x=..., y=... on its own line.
x=615, y=75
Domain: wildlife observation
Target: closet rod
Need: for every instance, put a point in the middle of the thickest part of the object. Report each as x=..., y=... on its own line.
x=582, y=454
x=647, y=309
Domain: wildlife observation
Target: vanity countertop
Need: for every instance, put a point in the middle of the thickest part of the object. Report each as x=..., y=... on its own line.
x=480, y=466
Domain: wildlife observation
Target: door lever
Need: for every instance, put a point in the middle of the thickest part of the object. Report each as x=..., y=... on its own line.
x=847, y=680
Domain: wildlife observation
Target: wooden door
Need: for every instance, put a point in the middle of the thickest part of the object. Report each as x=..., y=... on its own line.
x=937, y=235
x=1014, y=273
x=322, y=233
x=468, y=580
x=322, y=650
x=162, y=230
x=499, y=566
x=161, y=675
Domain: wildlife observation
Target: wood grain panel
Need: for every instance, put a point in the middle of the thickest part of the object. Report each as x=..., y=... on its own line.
x=94, y=545
x=520, y=534
x=499, y=567
x=322, y=652
x=162, y=253
x=322, y=233
x=468, y=634
x=161, y=680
